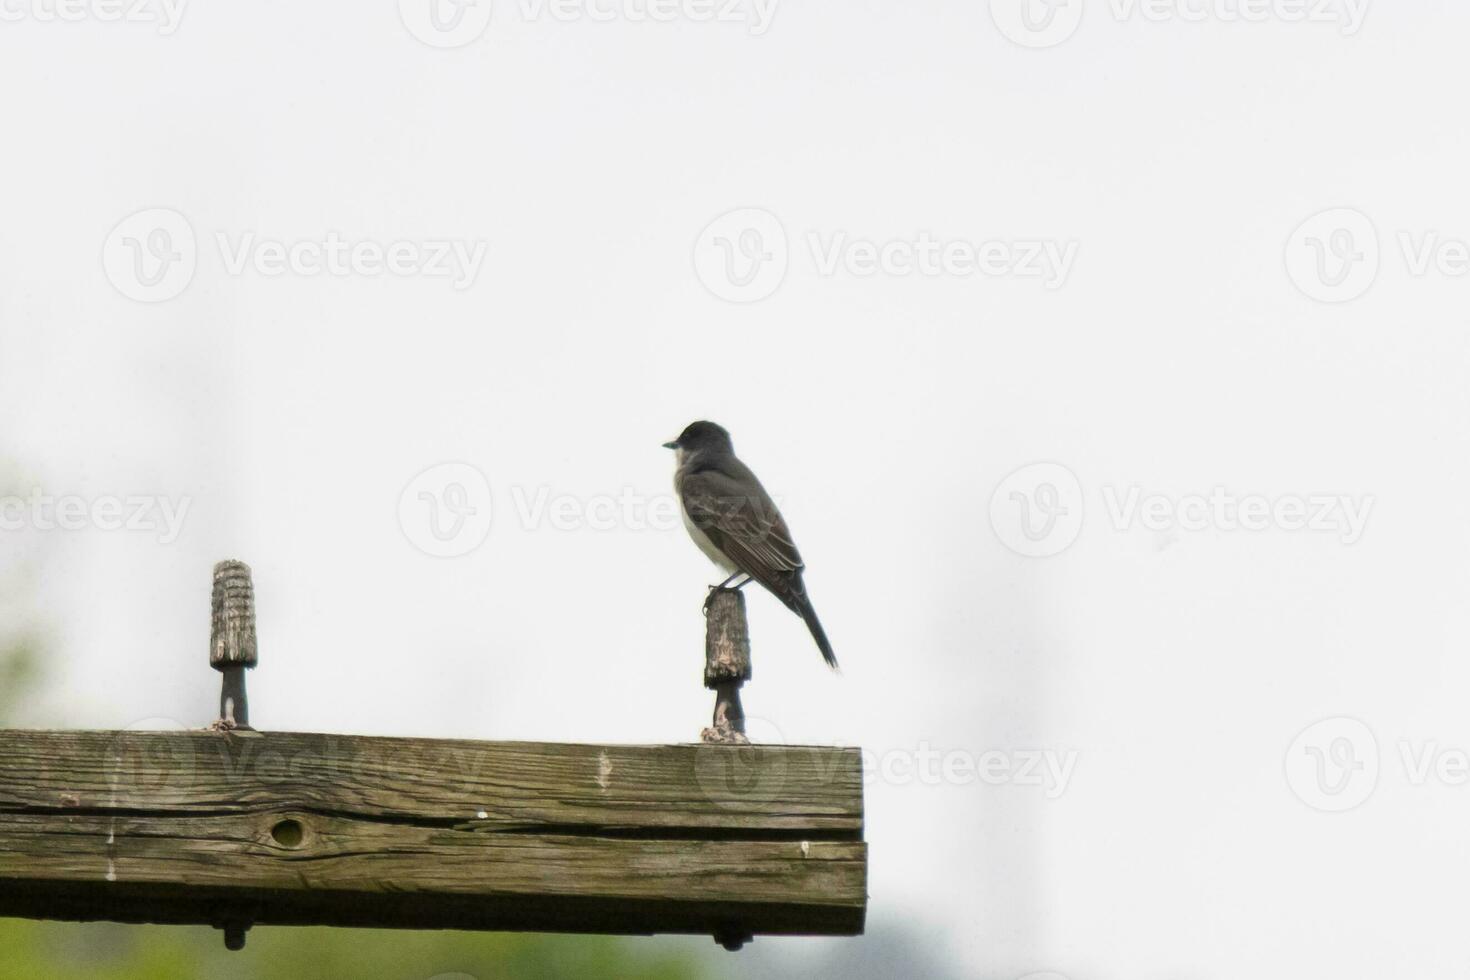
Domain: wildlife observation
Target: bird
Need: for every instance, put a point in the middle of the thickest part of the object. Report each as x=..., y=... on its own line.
x=736, y=524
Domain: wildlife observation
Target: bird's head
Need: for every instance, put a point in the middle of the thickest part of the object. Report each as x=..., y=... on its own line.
x=701, y=436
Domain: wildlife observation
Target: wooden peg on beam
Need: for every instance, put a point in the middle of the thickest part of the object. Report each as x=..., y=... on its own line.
x=232, y=640
x=726, y=665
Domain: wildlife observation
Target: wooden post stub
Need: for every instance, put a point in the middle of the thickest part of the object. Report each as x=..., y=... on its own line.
x=232, y=621
x=726, y=664
x=232, y=640
x=726, y=639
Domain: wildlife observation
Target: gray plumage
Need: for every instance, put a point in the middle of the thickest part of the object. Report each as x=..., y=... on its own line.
x=736, y=524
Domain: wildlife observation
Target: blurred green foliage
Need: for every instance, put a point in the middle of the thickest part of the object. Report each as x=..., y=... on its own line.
x=19, y=674
x=107, y=951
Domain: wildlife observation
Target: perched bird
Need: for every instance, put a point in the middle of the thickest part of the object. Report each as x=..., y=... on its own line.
x=736, y=524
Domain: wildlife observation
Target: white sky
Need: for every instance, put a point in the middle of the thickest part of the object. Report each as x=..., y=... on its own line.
x=883, y=411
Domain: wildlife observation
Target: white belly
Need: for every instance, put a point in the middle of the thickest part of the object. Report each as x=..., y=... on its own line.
x=706, y=545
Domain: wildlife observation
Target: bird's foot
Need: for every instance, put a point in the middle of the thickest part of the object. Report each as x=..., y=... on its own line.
x=725, y=586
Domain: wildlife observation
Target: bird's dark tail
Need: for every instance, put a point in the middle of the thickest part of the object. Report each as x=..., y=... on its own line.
x=802, y=606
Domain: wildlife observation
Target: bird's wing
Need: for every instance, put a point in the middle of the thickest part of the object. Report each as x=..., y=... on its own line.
x=740, y=519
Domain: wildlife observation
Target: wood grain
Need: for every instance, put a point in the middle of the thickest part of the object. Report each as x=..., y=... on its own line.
x=290, y=828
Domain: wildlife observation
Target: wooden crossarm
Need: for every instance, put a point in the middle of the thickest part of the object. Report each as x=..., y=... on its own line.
x=284, y=828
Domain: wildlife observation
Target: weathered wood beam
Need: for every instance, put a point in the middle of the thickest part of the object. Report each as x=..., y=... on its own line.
x=241, y=828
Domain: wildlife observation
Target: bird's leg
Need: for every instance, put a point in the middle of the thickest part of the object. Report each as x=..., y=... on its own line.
x=715, y=590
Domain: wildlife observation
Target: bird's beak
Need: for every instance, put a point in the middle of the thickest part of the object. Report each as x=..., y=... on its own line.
x=671, y=445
